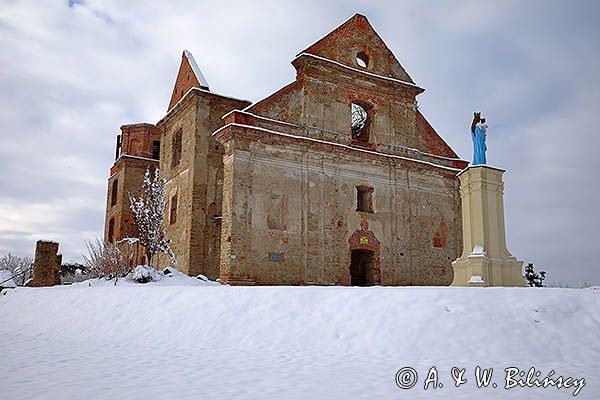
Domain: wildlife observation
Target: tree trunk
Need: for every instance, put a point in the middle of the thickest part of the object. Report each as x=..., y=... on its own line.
x=149, y=257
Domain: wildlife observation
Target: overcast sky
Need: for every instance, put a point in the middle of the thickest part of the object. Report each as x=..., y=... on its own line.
x=72, y=72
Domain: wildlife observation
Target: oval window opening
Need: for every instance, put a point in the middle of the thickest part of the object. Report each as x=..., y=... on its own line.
x=362, y=59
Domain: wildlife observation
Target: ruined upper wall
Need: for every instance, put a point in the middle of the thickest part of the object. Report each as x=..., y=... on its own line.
x=138, y=139
x=189, y=76
x=330, y=79
x=354, y=39
x=191, y=161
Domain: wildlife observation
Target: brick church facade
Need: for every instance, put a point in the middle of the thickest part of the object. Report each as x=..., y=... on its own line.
x=335, y=179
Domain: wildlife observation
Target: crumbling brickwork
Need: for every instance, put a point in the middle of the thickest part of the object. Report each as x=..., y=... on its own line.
x=269, y=193
x=135, y=155
x=46, y=265
x=196, y=180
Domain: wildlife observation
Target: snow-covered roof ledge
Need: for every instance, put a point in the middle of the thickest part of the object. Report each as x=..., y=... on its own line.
x=339, y=64
x=201, y=79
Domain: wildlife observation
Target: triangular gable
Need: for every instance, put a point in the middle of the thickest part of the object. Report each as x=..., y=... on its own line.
x=434, y=143
x=189, y=76
x=355, y=37
x=192, y=62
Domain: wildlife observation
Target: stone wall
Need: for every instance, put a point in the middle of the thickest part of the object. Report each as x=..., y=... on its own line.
x=293, y=171
x=312, y=195
x=196, y=180
x=126, y=176
x=46, y=265
x=137, y=139
x=129, y=175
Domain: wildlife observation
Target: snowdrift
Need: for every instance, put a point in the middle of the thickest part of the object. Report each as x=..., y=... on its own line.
x=161, y=341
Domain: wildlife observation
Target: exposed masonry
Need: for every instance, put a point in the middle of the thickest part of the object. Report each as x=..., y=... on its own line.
x=199, y=75
x=267, y=192
x=46, y=265
x=332, y=170
x=197, y=89
x=138, y=158
x=356, y=149
x=312, y=127
x=387, y=78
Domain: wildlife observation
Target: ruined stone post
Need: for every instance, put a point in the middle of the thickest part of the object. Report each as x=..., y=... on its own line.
x=46, y=266
x=485, y=260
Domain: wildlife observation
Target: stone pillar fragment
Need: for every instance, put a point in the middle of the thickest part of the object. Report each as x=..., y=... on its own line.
x=46, y=266
x=485, y=260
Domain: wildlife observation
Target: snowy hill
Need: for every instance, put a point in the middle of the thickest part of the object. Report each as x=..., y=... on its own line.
x=218, y=342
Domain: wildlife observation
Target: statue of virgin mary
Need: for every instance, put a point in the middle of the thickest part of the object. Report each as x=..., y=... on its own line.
x=478, y=133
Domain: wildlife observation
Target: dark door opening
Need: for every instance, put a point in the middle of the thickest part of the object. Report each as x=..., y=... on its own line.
x=361, y=268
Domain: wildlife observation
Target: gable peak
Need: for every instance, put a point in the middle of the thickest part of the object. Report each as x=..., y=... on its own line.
x=189, y=76
x=197, y=72
x=355, y=43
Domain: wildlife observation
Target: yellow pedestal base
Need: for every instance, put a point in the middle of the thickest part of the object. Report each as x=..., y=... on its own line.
x=485, y=260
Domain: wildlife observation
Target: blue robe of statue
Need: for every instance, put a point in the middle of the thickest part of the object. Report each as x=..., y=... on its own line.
x=479, y=147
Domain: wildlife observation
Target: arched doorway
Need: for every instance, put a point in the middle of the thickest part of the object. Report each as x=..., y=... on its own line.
x=364, y=269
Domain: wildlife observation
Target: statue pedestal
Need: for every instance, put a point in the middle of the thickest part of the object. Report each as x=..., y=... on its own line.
x=485, y=260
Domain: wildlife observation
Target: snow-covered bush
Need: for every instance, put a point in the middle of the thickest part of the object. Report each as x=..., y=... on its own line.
x=145, y=274
x=6, y=279
x=19, y=267
x=104, y=260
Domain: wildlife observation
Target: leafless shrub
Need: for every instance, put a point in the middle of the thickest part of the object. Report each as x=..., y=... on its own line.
x=105, y=260
x=19, y=267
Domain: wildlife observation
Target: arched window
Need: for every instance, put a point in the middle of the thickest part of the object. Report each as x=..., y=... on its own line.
x=360, y=122
x=176, y=153
x=114, y=191
x=111, y=230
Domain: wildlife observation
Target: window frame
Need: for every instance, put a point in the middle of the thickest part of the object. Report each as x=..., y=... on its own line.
x=156, y=146
x=173, y=206
x=114, y=192
x=364, y=199
x=364, y=135
x=176, y=148
x=111, y=230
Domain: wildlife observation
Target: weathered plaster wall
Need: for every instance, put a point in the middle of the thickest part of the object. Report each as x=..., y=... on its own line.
x=196, y=180
x=318, y=192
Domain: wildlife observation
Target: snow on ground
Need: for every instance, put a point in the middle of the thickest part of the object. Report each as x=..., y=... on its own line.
x=6, y=279
x=163, y=341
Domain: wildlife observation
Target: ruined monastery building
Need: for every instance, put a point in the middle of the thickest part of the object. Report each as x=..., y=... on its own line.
x=335, y=179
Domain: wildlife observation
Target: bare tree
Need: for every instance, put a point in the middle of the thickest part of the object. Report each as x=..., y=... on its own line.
x=104, y=260
x=148, y=212
x=19, y=267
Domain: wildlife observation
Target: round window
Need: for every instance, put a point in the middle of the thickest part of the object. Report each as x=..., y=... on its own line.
x=362, y=59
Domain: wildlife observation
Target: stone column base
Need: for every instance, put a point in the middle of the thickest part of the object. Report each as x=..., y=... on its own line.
x=479, y=270
x=485, y=260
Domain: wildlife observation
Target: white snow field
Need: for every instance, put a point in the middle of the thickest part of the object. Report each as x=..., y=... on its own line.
x=170, y=340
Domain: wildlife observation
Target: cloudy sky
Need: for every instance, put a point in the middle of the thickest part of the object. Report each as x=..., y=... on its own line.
x=72, y=72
